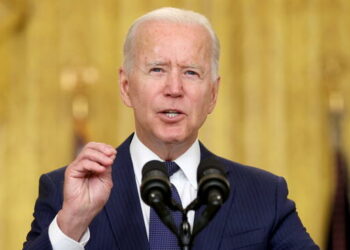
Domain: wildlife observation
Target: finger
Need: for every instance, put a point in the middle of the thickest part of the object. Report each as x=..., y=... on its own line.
x=98, y=157
x=101, y=147
x=86, y=167
x=106, y=173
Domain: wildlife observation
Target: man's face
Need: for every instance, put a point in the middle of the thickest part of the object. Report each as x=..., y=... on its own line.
x=170, y=84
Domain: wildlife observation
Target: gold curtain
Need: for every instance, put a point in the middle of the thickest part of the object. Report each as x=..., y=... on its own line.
x=280, y=61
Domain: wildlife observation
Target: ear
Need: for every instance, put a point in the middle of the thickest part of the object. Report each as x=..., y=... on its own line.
x=213, y=95
x=124, y=87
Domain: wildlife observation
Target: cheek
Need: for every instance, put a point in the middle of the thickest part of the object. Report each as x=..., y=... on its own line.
x=143, y=101
x=137, y=95
x=202, y=101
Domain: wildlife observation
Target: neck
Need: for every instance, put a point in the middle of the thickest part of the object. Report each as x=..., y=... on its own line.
x=167, y=151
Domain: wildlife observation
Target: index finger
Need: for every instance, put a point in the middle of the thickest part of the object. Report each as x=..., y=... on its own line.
x=102, y=147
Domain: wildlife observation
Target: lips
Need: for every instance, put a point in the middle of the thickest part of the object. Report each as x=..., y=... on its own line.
x=172, y=114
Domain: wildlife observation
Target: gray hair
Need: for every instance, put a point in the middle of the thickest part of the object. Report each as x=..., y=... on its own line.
x=177, y=16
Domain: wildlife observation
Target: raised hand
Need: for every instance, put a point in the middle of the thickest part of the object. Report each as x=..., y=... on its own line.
x=87, y=186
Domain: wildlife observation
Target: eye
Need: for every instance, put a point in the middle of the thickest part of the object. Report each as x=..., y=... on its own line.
x=191, y=73
x=156, y=70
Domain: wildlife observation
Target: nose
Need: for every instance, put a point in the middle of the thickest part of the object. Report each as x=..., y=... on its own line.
x=174, y=85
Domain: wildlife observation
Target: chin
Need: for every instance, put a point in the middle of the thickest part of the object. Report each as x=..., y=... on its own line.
x=173, y=137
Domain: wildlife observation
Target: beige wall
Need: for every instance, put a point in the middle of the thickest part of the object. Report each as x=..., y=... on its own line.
x=280, y=61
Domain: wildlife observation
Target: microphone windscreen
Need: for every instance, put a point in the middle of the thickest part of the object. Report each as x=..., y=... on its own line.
x=210, y=166
x=154, y=165
x=213, y=185
x=155, y=182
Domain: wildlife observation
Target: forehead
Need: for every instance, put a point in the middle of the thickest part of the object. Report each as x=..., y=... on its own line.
x=168, y=40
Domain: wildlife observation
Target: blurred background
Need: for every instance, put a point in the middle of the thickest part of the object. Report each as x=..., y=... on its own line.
x=283, y=104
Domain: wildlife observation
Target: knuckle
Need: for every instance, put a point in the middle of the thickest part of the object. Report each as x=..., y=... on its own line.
x=90, y=154
x=84, y=163
x=88, y=145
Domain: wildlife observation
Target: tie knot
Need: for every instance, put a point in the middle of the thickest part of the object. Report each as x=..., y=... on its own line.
x=171, y=167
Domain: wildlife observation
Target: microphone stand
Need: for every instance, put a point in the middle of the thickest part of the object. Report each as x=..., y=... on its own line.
x=185, y=236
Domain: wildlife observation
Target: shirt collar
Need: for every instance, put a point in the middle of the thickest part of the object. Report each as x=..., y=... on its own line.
x=188, y=161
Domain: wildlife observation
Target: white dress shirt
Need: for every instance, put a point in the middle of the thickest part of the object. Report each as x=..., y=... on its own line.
x=185, y=181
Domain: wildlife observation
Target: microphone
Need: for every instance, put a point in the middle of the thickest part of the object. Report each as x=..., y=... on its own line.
x=156, y=191
x=213, y=186
x=155, y=184
x=213, y=191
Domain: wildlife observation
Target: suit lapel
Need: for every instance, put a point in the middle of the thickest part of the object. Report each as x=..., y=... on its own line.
x=211, y=236
x=123, y=207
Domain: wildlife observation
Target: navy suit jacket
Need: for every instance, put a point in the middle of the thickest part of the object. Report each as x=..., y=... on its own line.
x=256, y=216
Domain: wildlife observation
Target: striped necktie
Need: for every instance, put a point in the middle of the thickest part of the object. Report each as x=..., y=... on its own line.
x=160, y=237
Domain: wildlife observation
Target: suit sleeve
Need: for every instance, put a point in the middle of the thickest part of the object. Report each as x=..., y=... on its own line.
x=46, y=207
x=288, y=231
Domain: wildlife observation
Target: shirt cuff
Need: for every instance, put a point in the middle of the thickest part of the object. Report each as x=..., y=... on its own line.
x=60, y=241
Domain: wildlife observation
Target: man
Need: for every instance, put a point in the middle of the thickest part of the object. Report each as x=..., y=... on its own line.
x=170, y=80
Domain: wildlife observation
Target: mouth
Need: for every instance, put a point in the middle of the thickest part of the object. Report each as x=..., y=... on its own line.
x=171, y=113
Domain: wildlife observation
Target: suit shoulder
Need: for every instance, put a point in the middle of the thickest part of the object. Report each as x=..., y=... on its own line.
x=240, y=171
x=56, y=175
x=245, y=172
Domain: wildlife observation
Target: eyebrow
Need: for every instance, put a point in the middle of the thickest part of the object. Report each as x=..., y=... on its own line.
x=192, y=66
x=156, y=63
x=182, y=66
